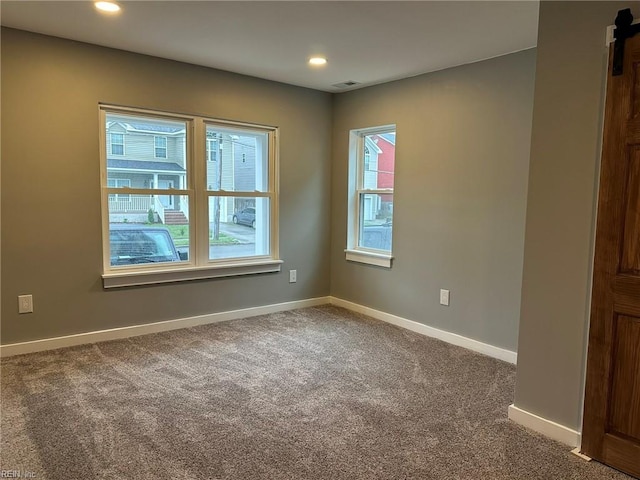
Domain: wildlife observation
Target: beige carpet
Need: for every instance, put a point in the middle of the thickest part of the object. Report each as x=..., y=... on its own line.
x=318, y=393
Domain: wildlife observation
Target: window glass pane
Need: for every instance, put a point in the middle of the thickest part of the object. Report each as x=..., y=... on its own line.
x=213, y=148
x=161, y=147
x=376, y=221
x=140, y=233
x=117, y=143
x=150, y=152
x=237, y=160
x=238, y=227
x=379, y=160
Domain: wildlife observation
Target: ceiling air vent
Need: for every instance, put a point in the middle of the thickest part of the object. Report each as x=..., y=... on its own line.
x=347, y=84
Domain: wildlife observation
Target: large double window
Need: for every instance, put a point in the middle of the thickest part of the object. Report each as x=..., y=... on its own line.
x=371, y=183
x=170, y=213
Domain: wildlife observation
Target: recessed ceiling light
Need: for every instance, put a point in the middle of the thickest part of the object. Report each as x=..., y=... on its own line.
x=110, y=7
x=317, y=61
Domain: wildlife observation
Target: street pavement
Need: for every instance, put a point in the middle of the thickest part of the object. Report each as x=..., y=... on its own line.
x=244, y=234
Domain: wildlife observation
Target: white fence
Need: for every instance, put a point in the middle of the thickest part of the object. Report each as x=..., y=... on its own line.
x=159, y=208
x=130, y=203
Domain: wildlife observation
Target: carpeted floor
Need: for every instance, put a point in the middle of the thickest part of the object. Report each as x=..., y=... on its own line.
x=318, y=393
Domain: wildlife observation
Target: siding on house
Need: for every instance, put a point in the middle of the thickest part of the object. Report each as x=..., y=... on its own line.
x=386, y=162
x=141, y=146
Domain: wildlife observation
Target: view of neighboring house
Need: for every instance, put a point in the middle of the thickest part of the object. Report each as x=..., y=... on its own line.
x=148, y=154
x=145, y=155
x=231, y=167
x=379, y=163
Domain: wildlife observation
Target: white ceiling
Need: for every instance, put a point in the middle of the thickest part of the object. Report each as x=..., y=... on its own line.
x=366, y=41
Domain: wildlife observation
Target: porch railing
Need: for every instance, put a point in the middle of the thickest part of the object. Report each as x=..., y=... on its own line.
x=184, y=205
x=158, y=207
x=129, y=203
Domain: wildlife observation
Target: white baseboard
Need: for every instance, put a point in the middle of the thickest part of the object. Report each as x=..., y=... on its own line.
x=546, y=427
x=135, y=330
x=453, y=338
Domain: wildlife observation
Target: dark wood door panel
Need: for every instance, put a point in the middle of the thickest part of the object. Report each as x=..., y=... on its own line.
x=630, y=257
x=635, y=95
x=611, y=427
x=632, y=135
x=624, y=405
x=626, y=305
x=626, y=285
x=622, y=454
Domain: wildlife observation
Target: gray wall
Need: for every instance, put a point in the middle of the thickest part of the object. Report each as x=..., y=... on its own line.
x=462, y=156
x=51, y=240
x=565, y=150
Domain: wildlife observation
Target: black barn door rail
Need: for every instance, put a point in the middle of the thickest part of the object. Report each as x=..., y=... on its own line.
x=623, y=30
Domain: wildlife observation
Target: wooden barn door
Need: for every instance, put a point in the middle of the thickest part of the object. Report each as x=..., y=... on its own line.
x=611, y=428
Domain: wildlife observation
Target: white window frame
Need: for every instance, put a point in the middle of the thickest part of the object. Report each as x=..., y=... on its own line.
x=111, y=144
x=270, y=237
x=354, y=252
x=199, y=266
x=156, y=147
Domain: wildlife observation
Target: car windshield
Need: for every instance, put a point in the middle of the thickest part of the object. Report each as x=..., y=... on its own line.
x=138, y=246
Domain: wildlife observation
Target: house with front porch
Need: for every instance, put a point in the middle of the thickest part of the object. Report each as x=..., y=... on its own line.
x=152, y=155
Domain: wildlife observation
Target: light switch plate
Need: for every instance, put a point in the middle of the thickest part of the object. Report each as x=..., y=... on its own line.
x=444, y=297
x=25, y=303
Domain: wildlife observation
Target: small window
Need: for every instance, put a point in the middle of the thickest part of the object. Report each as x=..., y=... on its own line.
x=367, y=159
x=212, y=149
x=371, y=190
x=160, y=144
x=117, y=143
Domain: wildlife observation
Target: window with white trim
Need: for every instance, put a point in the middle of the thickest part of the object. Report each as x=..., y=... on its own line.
x=160, y=147
x=116, y=142
x=186, y=217
x=371, y=183
x=213, y=149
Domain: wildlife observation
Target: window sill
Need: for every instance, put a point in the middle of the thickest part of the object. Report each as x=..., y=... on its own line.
x=370, y=258
x=129, y=279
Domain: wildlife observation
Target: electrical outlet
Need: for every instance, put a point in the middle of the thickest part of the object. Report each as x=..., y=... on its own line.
x=444, y=297
x=293, y=276
x=25, y=303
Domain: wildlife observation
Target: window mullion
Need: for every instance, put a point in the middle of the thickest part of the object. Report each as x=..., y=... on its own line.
x=376, y=191
x=199, y=183
x=231, y=193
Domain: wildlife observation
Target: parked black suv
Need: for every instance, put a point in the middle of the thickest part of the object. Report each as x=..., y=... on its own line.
x=133, y=244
